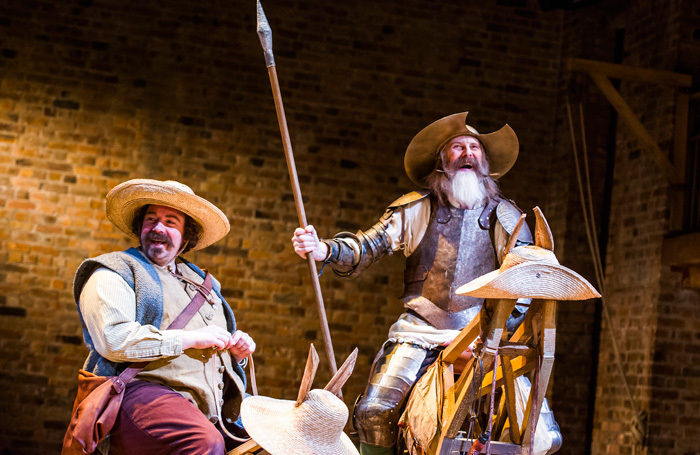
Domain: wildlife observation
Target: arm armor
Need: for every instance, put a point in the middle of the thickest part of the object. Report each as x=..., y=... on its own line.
x=350, y=254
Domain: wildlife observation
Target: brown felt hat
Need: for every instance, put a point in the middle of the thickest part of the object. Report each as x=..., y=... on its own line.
x=125, y=199
x=501, y=147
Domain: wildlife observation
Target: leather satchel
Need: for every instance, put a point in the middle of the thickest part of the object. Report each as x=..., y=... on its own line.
x=99, y=398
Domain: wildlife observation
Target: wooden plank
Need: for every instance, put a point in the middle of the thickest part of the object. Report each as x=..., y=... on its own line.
x=542, y=378
x=249, y=446
x=682, y=250
x=453, y=421
x=309, y=373
x=631, y=120
x=680, y=131
x=520, y=366
x=336, y=383
x=462, y=341
x=617, y=71
x=509, y=397
x=676, y=197
x=692, y=279
x=501, y=415
x=462, y=445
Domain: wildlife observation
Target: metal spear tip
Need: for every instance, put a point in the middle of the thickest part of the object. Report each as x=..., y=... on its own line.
x=265, y=35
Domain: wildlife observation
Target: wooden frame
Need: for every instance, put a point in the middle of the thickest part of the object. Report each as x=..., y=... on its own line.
x=531, y=348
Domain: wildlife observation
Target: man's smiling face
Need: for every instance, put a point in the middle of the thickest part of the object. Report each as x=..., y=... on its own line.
x=463, y=154
x=161, y=233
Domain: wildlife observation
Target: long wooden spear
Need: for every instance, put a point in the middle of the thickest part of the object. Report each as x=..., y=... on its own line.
x=265, y=35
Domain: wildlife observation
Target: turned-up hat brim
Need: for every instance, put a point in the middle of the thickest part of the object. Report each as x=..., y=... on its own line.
x=530, y=272
x=501, y=147
x=315, y=427
x=125, y=199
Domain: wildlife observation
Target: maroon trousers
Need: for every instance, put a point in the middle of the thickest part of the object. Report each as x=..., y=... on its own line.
x=156, y=420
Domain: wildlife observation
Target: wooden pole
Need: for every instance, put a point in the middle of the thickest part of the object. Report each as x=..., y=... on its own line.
x=265, y=35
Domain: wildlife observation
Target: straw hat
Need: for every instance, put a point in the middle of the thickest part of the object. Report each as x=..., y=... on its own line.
x=125, y=199
x=531, y=271
x=315, y=427
x=501, y=147
x=311, y=425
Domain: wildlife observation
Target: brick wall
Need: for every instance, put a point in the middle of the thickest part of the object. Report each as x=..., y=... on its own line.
x=651, y=315
x=94, y=92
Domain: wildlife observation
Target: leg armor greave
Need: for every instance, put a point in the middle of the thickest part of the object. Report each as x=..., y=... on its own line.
x=394, y=371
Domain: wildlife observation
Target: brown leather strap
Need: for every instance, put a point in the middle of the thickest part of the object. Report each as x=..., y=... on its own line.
x=251, y=370
x=180, y=321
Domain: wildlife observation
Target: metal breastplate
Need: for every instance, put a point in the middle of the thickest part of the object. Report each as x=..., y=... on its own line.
x=454, y=250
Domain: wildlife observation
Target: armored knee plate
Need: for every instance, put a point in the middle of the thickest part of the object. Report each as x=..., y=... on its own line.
x=394, y=371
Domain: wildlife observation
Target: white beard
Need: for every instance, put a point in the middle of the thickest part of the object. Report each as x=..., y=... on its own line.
x=466, y=190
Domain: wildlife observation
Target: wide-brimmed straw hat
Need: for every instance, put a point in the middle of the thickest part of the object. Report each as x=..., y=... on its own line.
x=531, y=271
x=421, y=156
x=314, y=427
x=311, y=425
x=125, y=199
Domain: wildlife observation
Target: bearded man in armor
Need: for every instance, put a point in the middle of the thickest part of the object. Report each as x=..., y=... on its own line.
x=452, y=230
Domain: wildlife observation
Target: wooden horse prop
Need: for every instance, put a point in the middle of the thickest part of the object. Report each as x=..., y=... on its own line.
x=311, y=425
x=527, y=272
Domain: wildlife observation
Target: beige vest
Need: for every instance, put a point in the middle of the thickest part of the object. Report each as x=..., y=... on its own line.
x=197, y=374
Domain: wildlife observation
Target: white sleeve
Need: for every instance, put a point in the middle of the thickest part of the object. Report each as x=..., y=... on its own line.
x=108, y=308
x=407, y=225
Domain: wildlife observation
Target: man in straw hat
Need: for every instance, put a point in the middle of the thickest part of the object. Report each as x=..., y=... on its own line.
x=452, y=230
x=127, y=299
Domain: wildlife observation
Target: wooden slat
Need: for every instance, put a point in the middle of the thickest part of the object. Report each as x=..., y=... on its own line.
x=509, y=397
x=519, y=365
x=309, y=374
x=336, y=383
x=676, y=197
x=548, y=345
x=616, y=71
x=453, y=421
x=693, y=278
x=460, y=445
x=683, y=250
x=249, y=446
x=462, y=341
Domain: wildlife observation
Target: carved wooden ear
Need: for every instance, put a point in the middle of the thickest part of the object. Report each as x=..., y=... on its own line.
x=514, y=236
x=341, y=376
x=309, y=374
x=543, y=235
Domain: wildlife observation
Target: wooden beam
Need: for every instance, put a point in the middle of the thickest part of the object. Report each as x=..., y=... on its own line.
x=628, y=116
x=452, y=422
x=248, y=447
x=462, y=341
x=691, y=277
x=683, y=250
x=460, y=445
x=632, y=73
x=676, y=197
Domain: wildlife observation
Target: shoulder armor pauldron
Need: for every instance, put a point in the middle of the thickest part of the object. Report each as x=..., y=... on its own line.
x=406, y=199
x=508, y=215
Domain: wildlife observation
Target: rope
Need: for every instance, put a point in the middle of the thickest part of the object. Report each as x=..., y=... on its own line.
x=589, y=224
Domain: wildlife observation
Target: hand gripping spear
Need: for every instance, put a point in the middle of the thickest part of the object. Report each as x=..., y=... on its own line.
x=265, y=35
